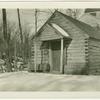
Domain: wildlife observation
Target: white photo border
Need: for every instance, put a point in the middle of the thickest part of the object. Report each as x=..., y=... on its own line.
x=52, y=5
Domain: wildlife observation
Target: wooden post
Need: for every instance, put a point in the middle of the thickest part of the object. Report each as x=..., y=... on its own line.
x=35, y=56
x=35, y=41
x=35, y=21
x=50, y=56
x=21, y=34
x=4, y=16
x=61, y=60
x=15, y=50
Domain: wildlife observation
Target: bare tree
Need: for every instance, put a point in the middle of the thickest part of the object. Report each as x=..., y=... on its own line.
x=7, y=36
x=20, y=29
x=4, y=23
x=73, y=13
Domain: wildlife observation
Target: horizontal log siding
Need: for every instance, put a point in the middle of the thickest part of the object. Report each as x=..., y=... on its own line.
x=77, y=57
x=38, y=51
x=94, y=57
x=77, y=50
x=36, y=42
x=32, y=61
x=45, y=56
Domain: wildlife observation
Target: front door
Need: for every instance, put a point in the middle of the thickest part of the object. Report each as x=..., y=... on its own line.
x=56, y=52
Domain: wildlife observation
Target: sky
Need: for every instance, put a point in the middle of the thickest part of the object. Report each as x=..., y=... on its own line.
x=27, y=18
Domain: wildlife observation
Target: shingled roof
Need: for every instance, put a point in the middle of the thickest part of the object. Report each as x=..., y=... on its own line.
x=93, y=33
x=92, y=10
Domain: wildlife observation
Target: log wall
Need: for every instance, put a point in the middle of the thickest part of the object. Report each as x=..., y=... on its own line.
x=77, y=57
x=94, y=57
x=77, y=51
x=32, y=60
x=35, y=53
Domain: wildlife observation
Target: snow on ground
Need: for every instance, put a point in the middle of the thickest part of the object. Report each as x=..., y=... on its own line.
x=25, y=81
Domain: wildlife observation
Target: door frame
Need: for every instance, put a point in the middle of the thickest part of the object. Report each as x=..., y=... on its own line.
x=61, y=57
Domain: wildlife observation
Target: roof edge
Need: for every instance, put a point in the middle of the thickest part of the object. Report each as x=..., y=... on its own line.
x=44, y=24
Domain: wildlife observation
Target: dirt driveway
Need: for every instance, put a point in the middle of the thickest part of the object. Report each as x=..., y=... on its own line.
x=25, y=81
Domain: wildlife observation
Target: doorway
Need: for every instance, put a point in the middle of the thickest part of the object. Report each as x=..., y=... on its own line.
x=56, y=55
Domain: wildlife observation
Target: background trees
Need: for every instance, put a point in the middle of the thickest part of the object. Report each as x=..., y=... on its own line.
x=16, y=34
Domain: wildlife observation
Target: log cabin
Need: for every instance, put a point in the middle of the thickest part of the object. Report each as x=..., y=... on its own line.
x=65, y=45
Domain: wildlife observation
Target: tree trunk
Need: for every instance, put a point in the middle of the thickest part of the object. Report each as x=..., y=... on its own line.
x=4, y=24
x=21, y=35
x=6, y=39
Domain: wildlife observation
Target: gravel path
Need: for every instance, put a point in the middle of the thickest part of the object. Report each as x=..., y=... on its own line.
x=24, y=81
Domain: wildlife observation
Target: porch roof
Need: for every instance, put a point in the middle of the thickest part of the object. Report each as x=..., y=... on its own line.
x=60, y=30
x=53, y=31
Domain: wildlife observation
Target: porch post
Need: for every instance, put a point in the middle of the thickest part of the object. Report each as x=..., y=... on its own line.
x=50, y=56
x=61, y=60
x=35, y=57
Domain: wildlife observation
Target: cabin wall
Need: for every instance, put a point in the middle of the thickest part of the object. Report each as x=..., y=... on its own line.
x=77, y=57
x=76, y=52
x=38, y=52
x=35, y=53
x=45, y=56
x=31, y=67
x=94, y=56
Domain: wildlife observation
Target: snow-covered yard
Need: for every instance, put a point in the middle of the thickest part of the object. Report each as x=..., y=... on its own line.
x=25, y=81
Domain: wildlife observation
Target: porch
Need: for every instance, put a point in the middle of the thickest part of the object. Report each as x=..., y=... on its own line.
x=53, y=56
x=53, y=49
